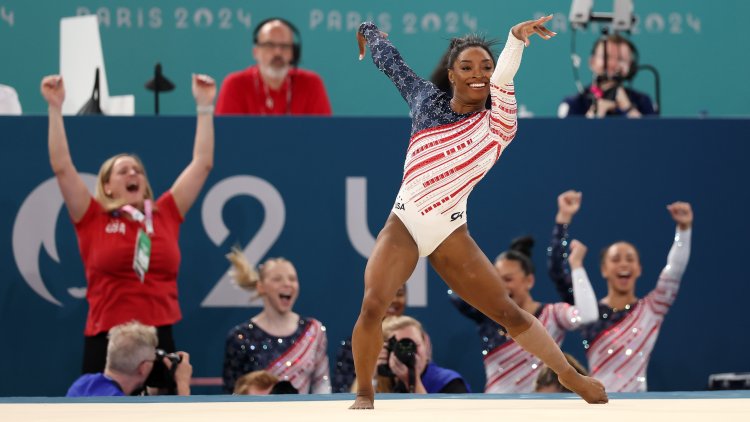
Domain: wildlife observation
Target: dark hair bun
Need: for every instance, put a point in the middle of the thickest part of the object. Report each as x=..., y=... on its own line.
x=522, y=245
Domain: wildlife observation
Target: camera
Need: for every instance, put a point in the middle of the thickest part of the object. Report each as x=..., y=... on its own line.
x=162, y=377
x=173, y=357
x=405, y=351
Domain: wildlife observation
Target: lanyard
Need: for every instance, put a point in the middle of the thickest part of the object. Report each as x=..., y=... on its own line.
x=137, y=215
x=142, y=254
x=269, y=103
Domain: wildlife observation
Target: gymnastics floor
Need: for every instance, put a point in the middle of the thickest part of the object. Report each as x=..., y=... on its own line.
x=725, y=406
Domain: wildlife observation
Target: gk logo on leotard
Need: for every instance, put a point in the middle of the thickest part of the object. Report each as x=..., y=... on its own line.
x=456, y=215
x=400, y=206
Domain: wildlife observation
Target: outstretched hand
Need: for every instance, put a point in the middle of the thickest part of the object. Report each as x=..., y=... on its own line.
x=363, y=43
x=524, y=30
x=53, y=90
x=682, y=214
x=204, y=89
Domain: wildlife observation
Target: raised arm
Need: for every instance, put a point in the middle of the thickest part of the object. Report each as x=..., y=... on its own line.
x=583, y=294
x=74, y=191
x=669, y=280
x=190, y=182
x=387, y=58
x=502, y=89
x=568, y=204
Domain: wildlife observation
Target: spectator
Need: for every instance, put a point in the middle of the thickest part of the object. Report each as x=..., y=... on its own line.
x=403, y=335
x=122, y=217
x=275, y=85
x=278, y=340
x=131, y=357
x=619, y=343
x=256, y=383
x=607, y=96
x=509, y=368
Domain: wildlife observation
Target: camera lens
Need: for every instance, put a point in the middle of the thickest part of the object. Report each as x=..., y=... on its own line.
x=406, y=350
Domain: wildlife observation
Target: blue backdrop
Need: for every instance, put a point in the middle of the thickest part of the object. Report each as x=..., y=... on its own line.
x=281, y=187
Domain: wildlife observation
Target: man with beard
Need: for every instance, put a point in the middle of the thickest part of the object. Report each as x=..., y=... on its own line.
x=275, y=85
x=607, y=96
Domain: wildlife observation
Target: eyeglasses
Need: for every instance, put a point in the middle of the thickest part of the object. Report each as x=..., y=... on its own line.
x=272, y=46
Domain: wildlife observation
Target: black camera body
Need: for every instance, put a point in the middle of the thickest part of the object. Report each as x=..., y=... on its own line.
x=405, y=351
x=173, y=357
x=162, y=377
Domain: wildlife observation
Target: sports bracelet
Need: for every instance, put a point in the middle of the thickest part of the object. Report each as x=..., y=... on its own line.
x=205, y=109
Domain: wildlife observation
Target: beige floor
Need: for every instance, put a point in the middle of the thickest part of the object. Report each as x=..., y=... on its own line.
x=410, y=410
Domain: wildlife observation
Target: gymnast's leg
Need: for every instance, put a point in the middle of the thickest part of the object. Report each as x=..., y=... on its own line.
x=391, y=263
x=469, y=273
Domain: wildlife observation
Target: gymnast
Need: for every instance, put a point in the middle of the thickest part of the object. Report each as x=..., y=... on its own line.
x=454, y=142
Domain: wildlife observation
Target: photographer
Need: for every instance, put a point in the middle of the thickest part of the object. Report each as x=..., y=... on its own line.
x=407, y=349
x=131, y=357
x=607, y=96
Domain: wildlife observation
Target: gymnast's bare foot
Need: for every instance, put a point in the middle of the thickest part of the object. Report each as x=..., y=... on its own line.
x=588, y=388
x=364, y=400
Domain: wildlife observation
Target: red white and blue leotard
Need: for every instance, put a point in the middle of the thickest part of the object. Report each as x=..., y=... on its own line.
x=508, y=367
x=448, y=153
x=619, y=344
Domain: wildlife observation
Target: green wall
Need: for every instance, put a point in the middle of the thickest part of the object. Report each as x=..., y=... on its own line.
x=699, y=47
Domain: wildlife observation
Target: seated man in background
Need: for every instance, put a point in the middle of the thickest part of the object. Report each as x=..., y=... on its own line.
x=275, y=85
x=607, y=96
x=407, y=348
x=131, y=356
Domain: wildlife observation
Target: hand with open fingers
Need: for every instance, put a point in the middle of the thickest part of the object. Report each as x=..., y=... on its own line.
x=362, y=42
x=577, y=253
x=524, y=30
x=204, y=89
x=682, y=214
x=53, y=90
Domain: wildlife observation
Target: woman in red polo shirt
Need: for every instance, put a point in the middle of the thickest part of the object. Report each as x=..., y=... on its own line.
x=129, y=242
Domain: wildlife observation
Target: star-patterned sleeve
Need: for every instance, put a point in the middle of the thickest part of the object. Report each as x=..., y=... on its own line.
x=558, y=272
x=387, y=58
x=233, y=366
